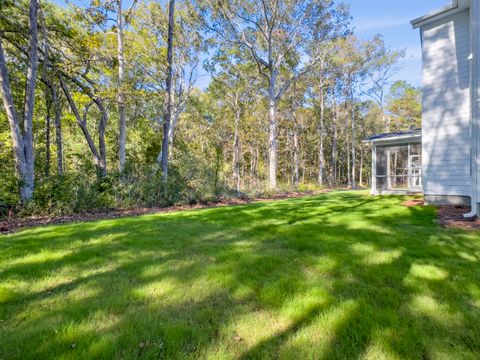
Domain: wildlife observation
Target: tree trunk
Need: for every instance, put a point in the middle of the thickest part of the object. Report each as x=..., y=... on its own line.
x=58, y=129
x=54, y=100
x=335, y=142
x=48, y=92
x=353, y=180
x=349, y=168
x=101, y=137
x=15, y=131
x=296, y=165
x=321, y=155
x=48, y=101
x=102, y=149
x=176, y=111
x=23, y=143
x=362, y=155
x=30, y=97
x=236, y=149
x=385, y=119
x=120, y=95
x=169, y=90
x=272, y=135
x=100, y=163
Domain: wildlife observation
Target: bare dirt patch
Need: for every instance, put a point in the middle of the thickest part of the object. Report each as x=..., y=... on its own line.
x=15, y=223
x=414, y=202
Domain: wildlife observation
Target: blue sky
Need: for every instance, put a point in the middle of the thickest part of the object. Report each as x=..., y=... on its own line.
x=392, y=20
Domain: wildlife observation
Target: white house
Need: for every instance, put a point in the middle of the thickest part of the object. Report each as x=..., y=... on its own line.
x=450, y=135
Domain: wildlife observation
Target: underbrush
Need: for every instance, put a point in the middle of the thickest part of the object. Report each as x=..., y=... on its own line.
x=192, y=180
x=76, y=193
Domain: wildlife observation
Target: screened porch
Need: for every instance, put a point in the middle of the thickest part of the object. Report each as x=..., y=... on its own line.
x=397, y=163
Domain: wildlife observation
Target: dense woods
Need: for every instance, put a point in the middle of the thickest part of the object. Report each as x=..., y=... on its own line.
x=104, y=106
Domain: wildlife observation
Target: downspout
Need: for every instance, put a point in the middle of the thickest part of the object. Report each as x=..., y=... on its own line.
x=474, y=38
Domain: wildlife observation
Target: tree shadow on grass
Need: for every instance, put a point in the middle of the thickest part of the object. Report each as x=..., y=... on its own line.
x=333, y=276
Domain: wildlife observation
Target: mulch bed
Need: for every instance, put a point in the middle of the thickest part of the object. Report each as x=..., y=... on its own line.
x=14, y=224
x=450, y=216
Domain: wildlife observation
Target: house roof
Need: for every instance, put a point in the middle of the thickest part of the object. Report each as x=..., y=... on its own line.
x=396, y=136
x=454, y=7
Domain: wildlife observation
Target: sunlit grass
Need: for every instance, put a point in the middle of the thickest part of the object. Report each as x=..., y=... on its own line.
x=335, y=276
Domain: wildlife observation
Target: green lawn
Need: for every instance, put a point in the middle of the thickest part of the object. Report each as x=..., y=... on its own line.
x=335, y=276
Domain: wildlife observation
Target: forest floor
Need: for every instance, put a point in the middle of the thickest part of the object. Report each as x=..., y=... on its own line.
x=340, y=275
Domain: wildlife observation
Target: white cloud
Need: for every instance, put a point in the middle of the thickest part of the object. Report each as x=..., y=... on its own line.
x=379, y=23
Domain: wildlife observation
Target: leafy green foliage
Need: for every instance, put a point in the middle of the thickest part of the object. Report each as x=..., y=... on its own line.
x=405, y=106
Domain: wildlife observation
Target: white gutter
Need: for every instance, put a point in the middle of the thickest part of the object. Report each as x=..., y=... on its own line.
x=393, y=139
x=474, y=38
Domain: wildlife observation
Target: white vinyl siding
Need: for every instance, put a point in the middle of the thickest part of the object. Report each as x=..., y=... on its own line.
x=446, y=106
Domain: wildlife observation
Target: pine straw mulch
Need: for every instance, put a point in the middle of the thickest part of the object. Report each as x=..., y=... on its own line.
x=14, y=224
x=450, y=216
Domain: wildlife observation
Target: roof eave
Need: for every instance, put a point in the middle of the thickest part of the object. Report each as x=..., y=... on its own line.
x=435, y=15
x=395, y=139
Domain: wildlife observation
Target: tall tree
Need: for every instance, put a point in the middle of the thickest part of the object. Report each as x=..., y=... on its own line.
x=106, y=13
x=277, y=35
x=23, y=140
x=120, y=95
x=169, y=91
x=381, y=64
x=150, y=46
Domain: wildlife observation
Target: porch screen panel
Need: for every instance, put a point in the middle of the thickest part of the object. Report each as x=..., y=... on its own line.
x=392, y=167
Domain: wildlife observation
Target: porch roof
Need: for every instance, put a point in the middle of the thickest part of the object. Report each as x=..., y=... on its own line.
x=396, y=137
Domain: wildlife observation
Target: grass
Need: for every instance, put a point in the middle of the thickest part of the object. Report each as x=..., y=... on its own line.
x=336, y=276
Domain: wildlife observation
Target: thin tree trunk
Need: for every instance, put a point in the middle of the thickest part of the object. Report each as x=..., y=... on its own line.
x=236, y=148
x=58, y=129
x=296, y=171
x=169, y=90
x=362, y=154
x=47, y=133
x=48, y=97
x=120, y=95
x=98, y=161
x=102, y=149
x=101, y=135
x=349, y=177
x=385, y=119
x=353, y=179
x=335, y=142
x=321, y=155
x=54, y=100
x=272, y=136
